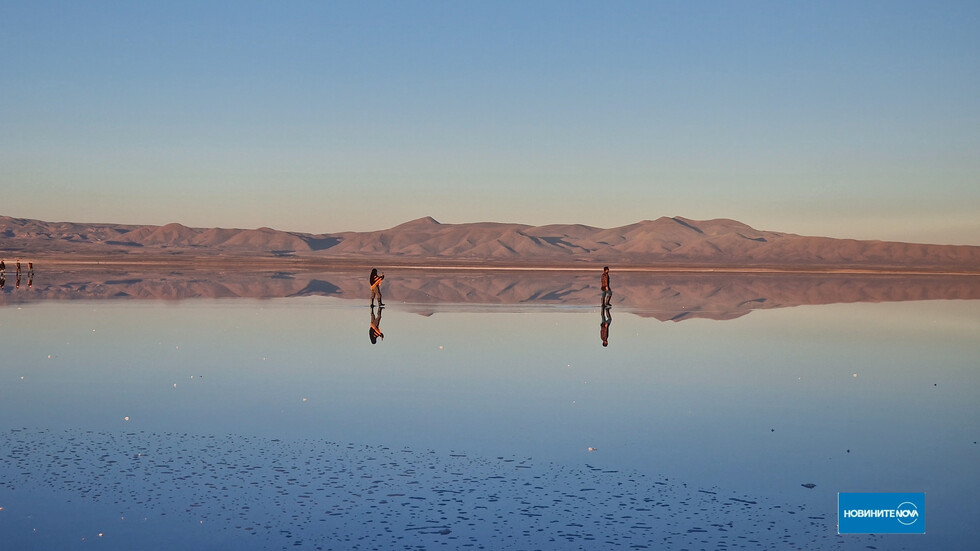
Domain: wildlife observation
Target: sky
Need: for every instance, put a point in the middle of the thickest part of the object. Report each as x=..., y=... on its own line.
x=843, y=119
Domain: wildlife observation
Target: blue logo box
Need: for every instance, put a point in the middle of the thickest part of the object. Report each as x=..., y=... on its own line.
x=881, y=513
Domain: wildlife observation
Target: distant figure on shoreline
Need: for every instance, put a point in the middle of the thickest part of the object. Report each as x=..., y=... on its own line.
x=18, y=269
x=374, y=332
x=604, y=326
x=606, y=289
x=375, y=281
x=3, y=266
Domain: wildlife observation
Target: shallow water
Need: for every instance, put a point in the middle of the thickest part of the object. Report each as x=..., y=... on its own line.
x=262, y=423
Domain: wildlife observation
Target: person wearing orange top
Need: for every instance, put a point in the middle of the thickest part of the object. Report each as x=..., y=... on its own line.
x=375, y=281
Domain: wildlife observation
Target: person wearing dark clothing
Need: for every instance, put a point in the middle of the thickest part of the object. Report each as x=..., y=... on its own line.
x=374, y=332
x=606, y=289
x=375, y=281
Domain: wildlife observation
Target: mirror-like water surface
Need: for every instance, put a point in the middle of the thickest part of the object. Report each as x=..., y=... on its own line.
x=278, y=423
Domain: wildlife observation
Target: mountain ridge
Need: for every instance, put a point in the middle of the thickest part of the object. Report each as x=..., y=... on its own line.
x=665, y=241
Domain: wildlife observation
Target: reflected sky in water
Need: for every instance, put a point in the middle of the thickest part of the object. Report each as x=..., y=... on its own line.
x=852, y=397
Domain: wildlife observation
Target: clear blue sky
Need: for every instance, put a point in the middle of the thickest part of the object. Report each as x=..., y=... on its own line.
x=848, y=119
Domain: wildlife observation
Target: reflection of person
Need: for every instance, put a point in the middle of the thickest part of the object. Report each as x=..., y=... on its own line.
x=375, y=281
x=374, y=332
x=18, y=268
x=606, y=289
x=604, y=326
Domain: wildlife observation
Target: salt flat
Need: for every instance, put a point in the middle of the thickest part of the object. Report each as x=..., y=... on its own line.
x=316, y=494
x=183, y=423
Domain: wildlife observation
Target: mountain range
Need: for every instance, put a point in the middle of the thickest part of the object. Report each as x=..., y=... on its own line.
x=664, y=242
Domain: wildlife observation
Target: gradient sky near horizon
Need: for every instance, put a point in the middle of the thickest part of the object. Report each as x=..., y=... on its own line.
x=844, y=119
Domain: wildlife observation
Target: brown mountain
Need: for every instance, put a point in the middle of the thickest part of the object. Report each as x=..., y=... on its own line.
x=664, y=242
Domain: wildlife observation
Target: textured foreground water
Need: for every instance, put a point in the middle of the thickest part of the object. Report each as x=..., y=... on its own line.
x=267, y=424
x=245, y=492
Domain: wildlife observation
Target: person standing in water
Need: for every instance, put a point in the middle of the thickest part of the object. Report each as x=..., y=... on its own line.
x=375, y=281
x=606, y=289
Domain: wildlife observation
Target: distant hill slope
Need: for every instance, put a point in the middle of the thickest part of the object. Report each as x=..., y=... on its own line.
x=669, y=241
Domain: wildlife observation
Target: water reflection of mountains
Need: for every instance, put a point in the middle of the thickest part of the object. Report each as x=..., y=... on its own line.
x=667, y=297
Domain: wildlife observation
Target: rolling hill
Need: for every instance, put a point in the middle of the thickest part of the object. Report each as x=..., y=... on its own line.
x=666, y=241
